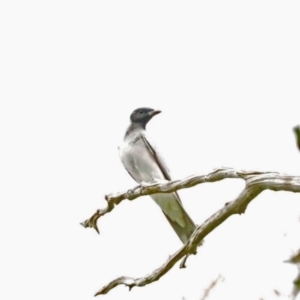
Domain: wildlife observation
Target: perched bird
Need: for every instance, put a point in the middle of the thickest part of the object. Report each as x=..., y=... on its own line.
x=143, y=162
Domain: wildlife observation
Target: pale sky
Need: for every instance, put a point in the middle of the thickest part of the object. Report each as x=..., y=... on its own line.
x=226, y=77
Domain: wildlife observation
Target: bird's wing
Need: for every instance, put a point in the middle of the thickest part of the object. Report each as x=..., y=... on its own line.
x=170, y=204
x=157, y=157
x=159, y=160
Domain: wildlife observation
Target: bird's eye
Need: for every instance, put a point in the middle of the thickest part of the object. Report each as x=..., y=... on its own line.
x=141, y=111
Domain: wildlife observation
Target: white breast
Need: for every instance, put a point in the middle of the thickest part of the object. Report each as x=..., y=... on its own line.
x=138, y=160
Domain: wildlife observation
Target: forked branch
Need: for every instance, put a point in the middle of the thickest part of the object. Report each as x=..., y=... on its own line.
x=255, y=183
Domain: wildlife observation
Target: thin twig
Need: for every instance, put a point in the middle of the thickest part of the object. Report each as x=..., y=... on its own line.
x=211, y=287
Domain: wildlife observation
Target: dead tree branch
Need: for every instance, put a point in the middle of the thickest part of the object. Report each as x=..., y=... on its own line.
x=211, y=287
x=296, y=130
x=255, y=183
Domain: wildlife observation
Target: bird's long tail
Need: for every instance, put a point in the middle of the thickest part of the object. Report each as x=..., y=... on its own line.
x=178, y=218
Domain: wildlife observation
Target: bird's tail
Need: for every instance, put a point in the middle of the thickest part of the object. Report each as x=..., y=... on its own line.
x=178, y=218
x=185, y=232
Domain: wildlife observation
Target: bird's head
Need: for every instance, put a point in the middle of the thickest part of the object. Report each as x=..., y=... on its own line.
x=143, y=115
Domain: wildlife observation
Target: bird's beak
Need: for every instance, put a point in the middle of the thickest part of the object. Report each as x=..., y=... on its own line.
x=154, y=112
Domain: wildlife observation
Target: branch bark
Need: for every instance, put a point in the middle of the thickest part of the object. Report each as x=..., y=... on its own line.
x=211, y=287
x=296, y=130
x=255, y=183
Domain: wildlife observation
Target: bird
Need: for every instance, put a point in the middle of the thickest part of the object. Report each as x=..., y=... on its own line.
x=144, y=163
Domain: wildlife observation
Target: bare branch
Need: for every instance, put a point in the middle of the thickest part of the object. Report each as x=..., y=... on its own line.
x=211, y=287
x=174, y=185
x=256, y=182
x=296, y=130
x=295, y=259
x=296, y=286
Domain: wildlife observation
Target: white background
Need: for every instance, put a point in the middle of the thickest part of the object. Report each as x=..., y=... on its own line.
x=226, y=77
